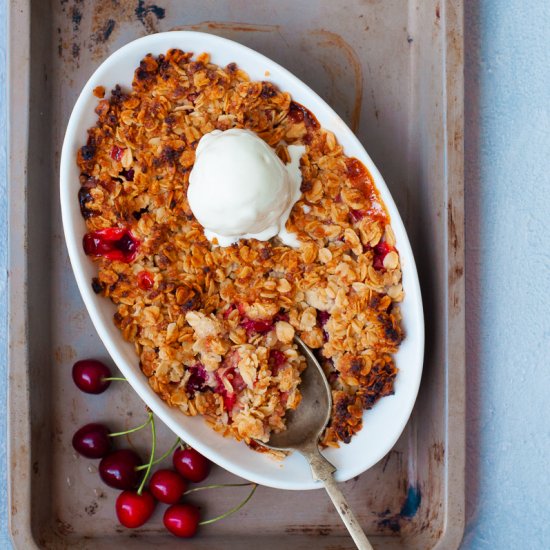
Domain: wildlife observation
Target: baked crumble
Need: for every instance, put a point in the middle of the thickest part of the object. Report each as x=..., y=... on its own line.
x=213, y=327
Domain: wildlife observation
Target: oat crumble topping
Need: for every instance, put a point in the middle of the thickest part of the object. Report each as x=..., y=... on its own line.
x=213, y=327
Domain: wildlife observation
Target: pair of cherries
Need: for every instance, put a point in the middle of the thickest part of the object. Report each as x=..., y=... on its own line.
x=122, y=469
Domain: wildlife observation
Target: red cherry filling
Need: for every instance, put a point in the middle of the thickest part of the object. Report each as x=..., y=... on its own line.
x=381, y=250
x=234, y=376
x=191, y=464
x=128, y=175
x=236, y=381
x=357, y=215
x=228, y=311
x=322, y=320
x=134, y=509
x=260, y=326
x=182, y=520
x=84, y=197
x=114, y=243
x=276, y=360
x=117, y=152
x=145, y=280
x=281, y=316
x=196, y=380
x=323, y=317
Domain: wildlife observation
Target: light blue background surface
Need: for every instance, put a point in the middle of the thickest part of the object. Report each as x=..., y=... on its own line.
x=507, y=273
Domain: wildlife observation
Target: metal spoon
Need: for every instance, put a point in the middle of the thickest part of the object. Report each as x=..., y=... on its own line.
x=304, y=426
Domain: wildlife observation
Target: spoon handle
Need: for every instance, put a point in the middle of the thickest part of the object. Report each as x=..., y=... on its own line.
x=346, y=513
x=322, y=470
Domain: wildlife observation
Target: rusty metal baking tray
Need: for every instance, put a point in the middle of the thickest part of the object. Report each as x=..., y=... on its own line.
x=394, y=70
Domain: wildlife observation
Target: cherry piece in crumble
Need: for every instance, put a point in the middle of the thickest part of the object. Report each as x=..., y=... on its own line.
x=276, y=360
x=196, y=382
x=128, y=175
x=260, y=326
x=236, y=381
x=145, y=280
x=117, y=152
x=323, y=317
x=113, y=243
x=322, y=320
x=357, y=215
x=381, y=250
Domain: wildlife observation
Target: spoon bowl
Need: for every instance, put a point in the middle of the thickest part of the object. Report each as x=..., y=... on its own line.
x=306, y=424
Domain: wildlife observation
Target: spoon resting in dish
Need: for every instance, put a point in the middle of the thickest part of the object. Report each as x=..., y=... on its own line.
x=304, y=426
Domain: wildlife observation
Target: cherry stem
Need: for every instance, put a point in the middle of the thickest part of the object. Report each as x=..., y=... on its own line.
x=216, y=486
x=233, y=510
x=153, y=449
x=160, y=459
x=114, y=379
x=136, y=429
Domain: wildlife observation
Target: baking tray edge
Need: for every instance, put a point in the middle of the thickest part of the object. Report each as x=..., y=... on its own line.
x=452, y=14
x=19, y=433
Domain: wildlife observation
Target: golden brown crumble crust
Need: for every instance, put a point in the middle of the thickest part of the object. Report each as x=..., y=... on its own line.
x=213, y=327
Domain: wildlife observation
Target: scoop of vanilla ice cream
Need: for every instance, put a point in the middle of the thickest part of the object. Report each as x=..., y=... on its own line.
x=240, y=189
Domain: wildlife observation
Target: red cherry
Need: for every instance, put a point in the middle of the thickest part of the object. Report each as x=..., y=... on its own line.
x=191, y=464
x=114, y=243
x=357, y=215
x=322, y=320
x=145, y=280
x=133, y=509
x=276, y=358
x=234, y=377
x=197, y=379
x=381, y=250
x=92, y=441
x=182, y=520
x=259, y=325
x=117, y=152
x=229, y=400
x=323, y=317
x=167, y=486
x=128, y=174
x=228, y=311
x=89, y=376
x=118, y=469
